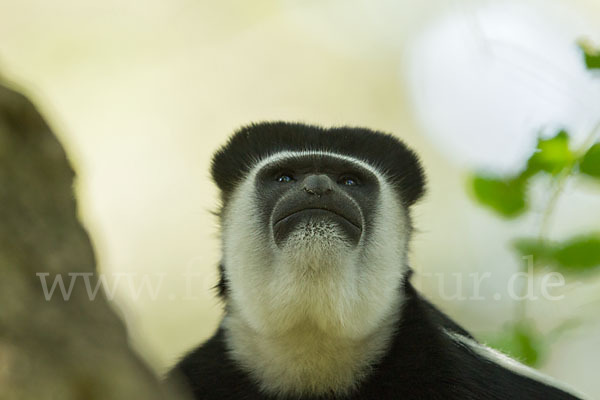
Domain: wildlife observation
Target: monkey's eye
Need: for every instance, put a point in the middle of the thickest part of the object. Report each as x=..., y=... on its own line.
x=285, y=178
x=348, y=181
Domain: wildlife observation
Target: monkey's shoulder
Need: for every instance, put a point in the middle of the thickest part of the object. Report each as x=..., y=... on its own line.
x=438, y=356
x=208, y=373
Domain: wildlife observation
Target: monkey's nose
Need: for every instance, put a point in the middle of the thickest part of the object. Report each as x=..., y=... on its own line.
x=317, y=184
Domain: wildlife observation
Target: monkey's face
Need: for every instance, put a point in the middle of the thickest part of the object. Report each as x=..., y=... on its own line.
x=314, y=237
x=316, y=201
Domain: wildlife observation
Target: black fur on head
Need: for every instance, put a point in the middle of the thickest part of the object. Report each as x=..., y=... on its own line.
x=255, y=142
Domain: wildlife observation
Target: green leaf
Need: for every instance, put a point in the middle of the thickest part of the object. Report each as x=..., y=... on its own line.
x=551, y=155
x=592, y=61
x=590, y=163
x=505, y=196
x=579, y=254
x=591, y=56
x=521, y=341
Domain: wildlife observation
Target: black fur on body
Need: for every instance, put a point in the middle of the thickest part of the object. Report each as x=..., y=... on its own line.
x=426, y=355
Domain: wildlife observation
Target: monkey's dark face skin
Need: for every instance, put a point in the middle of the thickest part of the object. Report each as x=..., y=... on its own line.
x=297, y=191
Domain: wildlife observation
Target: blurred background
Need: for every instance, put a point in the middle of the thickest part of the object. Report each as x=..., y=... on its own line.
x=142, y=93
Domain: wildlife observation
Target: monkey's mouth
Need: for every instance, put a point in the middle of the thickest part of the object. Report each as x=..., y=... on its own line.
x=316, y=211
x=290, y=217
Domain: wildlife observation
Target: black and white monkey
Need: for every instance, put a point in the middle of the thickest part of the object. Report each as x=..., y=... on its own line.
x=316, y=228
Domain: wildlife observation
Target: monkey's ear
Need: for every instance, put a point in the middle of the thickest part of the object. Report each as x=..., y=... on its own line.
x=414, y=183
x=407, y=177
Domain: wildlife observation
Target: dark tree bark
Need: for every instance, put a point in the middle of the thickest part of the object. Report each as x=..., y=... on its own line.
x=56, y=348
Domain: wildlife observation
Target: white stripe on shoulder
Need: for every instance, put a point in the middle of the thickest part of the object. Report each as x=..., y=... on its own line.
x=511, y=364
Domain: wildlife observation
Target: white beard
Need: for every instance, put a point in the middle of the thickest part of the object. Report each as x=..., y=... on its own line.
x=315, y=314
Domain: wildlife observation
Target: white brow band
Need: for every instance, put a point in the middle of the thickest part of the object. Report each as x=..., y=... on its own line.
x=282, y=155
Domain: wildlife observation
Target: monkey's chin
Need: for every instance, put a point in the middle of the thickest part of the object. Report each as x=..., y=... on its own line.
x=315, y=227
x=316, y=246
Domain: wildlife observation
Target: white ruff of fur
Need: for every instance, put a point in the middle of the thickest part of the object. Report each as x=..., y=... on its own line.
x=312, y=317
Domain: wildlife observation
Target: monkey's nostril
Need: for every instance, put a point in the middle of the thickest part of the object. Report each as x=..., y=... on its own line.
x=309, y=191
